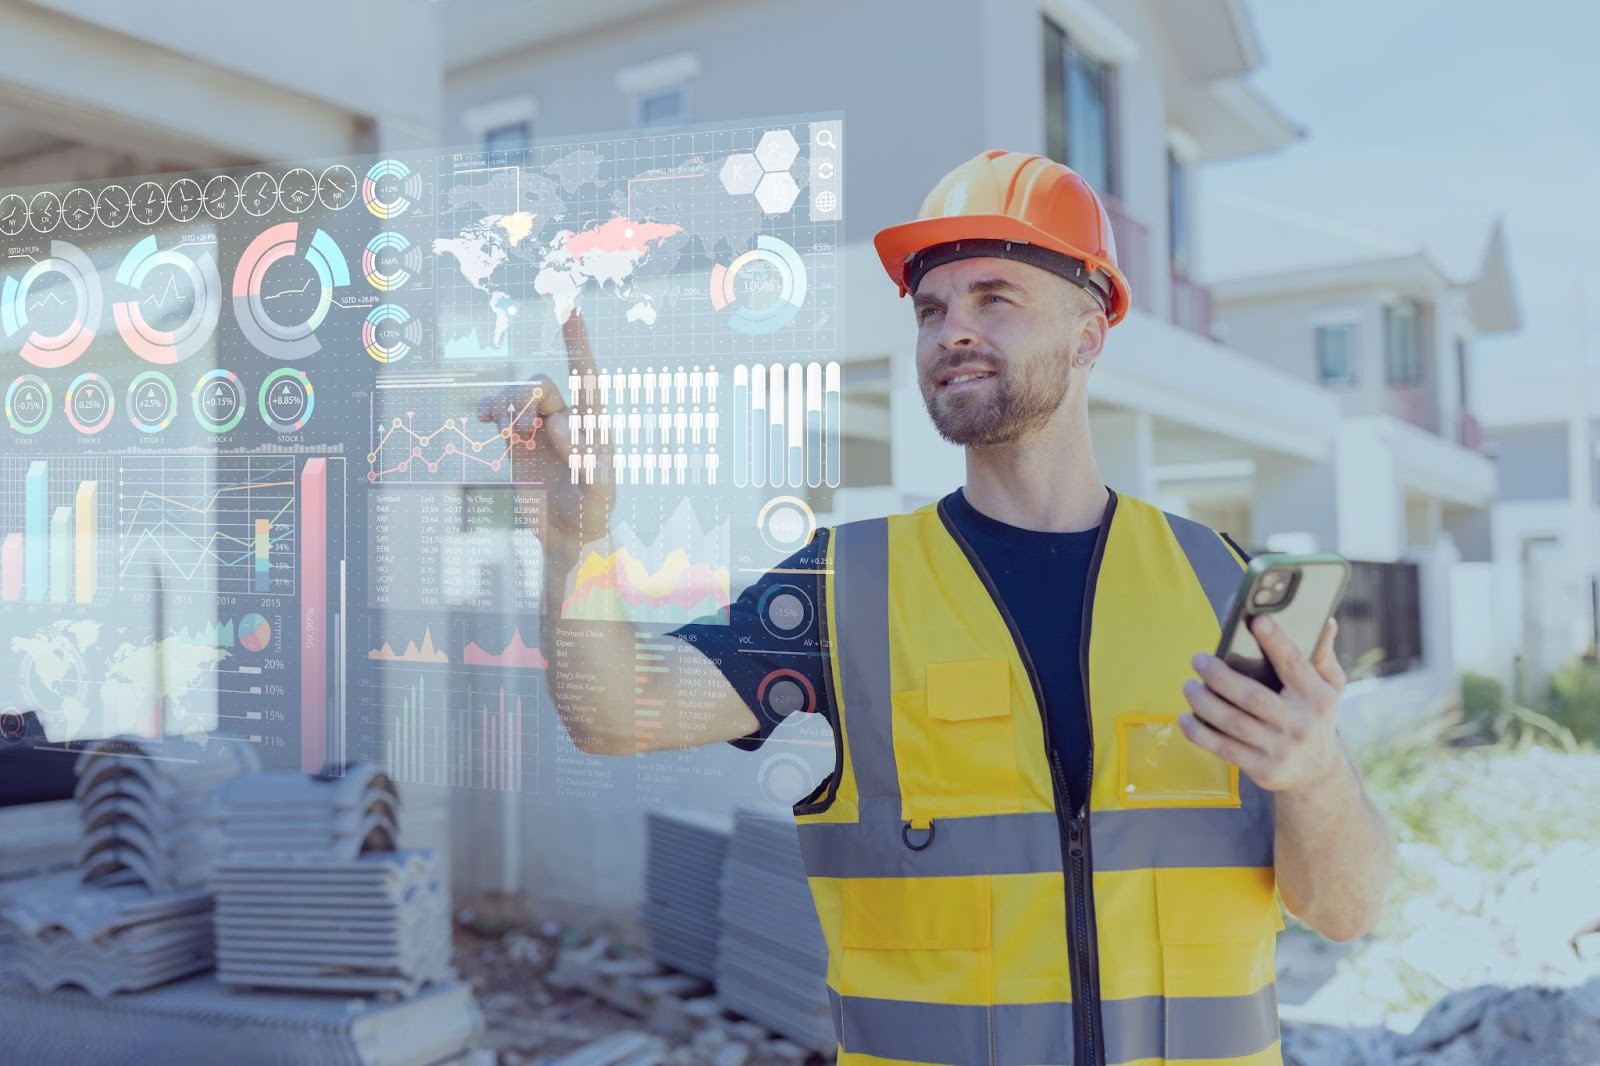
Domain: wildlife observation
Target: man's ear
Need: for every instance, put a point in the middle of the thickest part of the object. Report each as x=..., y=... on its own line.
x=1091, y=333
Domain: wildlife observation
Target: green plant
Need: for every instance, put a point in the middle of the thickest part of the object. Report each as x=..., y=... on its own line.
x=1575, y=700
x=1483, y=700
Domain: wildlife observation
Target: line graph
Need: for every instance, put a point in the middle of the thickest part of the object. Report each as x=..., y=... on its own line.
x=434, y=436
x=197, y=519
x=47, y=301
x=290, y=292
x=169, y=294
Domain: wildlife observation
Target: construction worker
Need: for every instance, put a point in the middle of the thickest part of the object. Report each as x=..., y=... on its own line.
x=1028, y=851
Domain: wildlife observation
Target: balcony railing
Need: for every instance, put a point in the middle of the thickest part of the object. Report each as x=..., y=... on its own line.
x=1133, y=251
x=1380, y=618
x=1415, y=406
x=1191, y=305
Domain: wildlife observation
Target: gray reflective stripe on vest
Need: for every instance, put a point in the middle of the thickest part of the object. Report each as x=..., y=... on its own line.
x=1025, y=1034
x=1031, y=843
x=1181, y=836
x=860, y=645
x=992, y=844
x=1213, y=563
x=1218, y=571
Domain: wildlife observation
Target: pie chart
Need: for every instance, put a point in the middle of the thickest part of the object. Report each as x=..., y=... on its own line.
x=255, y=633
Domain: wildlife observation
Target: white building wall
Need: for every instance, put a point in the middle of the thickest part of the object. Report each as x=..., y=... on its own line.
x=1371, y=505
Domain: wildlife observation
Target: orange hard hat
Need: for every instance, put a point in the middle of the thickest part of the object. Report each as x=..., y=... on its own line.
x=1015, y=206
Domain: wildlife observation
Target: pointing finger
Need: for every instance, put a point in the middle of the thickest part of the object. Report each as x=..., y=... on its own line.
x=580, y=355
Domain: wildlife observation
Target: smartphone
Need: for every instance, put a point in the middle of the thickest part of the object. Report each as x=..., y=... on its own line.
x=1300, y=592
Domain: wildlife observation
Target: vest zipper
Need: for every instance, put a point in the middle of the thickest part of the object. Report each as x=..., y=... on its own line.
x=1080, y=853
x=1082, y=960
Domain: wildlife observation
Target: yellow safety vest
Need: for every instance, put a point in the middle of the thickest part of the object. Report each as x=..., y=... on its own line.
x=971, y=919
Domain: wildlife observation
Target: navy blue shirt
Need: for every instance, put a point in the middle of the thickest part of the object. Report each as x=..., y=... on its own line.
x=1041, y=579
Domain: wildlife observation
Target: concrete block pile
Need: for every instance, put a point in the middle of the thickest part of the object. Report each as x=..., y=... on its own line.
x=773, y=963
x=139, y=914
x=199, y=1020
x=685, y=856
x=39, y=837
x=312, y=896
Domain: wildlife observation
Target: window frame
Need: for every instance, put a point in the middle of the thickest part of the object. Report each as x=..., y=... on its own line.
x=651, y=79
x=501, y=114
x=1351, y=328
x=1065, y=55
x=1180, y=215
x=489, y=143
x=1404, y=365
x=685, y=115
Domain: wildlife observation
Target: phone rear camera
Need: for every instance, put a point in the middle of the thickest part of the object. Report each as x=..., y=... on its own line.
x=1273, y=588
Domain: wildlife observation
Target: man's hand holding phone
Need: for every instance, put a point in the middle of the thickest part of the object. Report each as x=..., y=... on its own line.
x=1284, y=741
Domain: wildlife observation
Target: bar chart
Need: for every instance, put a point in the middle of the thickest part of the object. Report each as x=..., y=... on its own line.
x=787, y=425
x=473, y=738
x=56, y=530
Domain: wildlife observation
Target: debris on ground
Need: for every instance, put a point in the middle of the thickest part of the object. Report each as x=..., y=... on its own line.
x=552, y=996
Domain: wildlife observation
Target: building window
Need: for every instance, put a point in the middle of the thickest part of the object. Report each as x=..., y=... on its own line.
x=1402, y=343
x=503, y=125
x=660, y=91
x=662, y=107
x=1336, y=354
x=1080, y=111
x=509, y=137
x=1178, y=212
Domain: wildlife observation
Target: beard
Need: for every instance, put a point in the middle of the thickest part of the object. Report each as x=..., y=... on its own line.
x=1017, y=401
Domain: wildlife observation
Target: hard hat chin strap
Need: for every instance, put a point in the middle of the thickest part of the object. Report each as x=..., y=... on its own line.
x=1074, y=270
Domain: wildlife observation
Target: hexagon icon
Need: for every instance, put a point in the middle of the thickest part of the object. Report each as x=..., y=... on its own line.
x=777, y=193
x=777, y=150
x=740, y=174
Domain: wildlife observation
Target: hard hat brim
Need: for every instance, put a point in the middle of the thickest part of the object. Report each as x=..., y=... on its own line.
x=897, y=244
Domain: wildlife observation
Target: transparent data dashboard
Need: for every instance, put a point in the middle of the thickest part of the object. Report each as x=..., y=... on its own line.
x=249, y=494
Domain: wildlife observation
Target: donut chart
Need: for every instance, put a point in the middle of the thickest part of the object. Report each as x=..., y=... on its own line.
x=152, y=402
x=21, y=306
x=389, y=333
x=218, y=401
x=29, y=404
x=787, y=523
x=781, y=297
x=161, y=346
x=390, y=188
x=785, y=692
x=297, y=339
x=89, y=404
x=286, y=400
x=389, y=261
x=786, y=611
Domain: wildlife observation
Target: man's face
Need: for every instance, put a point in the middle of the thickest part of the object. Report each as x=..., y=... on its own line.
x=995, y=344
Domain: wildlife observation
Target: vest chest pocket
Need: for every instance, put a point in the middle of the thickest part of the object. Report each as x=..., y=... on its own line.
x=1157, y=766
x=955, y=742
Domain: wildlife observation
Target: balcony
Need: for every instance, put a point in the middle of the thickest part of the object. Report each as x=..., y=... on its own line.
x=1470, y=432
x=1133, y=250
x=1191, y=305
x=1415, y=406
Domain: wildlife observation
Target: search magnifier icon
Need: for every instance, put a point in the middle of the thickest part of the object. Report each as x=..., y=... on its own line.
x=825, y=139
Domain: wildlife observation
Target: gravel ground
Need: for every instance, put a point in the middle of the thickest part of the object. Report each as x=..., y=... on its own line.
x=1497, y=883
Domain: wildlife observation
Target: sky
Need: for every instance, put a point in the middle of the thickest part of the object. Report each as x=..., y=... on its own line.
x=1422, y=108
